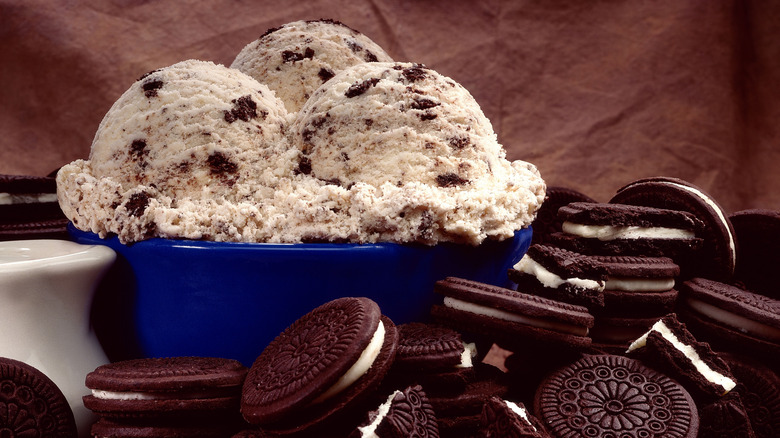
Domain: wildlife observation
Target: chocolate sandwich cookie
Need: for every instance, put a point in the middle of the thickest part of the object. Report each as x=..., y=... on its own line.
x=609, y=395
x=731, y=318
x=669, y=347
x=618, y=229
x=613, y=334
x=320, y=369
x=159, y=388
x=511, y=318
x=547, y=221
x=507, y=419
x=718, y=248
x=640, y=286
x=31, y=404
x=759, y=388
x=29, y=208
x=405, y=413
x=560, y=274
x=432, y=355
x=757, y=232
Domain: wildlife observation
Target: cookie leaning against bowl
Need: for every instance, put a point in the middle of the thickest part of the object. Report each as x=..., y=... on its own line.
x=173, y=387
x=319, y=370
x=511, y=318
x=731, y=318
x=32, y=404
x=29, y=208
x=718, y=246
x=608, y=395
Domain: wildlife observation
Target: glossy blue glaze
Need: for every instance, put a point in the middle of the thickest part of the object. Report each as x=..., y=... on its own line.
x=195, y=298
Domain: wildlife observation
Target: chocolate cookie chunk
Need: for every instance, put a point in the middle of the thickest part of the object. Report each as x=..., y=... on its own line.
x=32, y=404
x=718, y=247
x=320, y=368
x=607, y=395
x=506, y=419
x=725, y=417
x=757, y=232
x=512, y=319
x=405, y=414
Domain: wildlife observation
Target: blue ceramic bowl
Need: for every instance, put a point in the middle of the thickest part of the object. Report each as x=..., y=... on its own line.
x=195, y=298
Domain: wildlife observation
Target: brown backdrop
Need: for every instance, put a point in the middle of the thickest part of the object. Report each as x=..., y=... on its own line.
x=596, y=94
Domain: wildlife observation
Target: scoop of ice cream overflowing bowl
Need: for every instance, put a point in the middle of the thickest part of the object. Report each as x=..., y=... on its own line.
x=232, y=216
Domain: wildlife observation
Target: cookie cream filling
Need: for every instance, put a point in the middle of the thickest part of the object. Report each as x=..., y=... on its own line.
x=520, y=412
x=639, y=284
x=613, y=232
x=739, y=322
x=360, y=367
x=492, y=312
x=26, y=198
x=466, y=358
x=369, y=431
x=705, y=370
x=530, y=266
x=707, y=200
x=139, y=395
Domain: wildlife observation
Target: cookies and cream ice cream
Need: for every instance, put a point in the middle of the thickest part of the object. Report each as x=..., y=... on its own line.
x=295, y=59
x=382, y=151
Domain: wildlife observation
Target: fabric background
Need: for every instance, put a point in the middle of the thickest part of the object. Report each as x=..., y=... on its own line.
x=596, y=94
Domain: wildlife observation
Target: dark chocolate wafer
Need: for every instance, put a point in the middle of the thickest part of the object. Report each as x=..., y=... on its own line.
x=725, y=417
x=31, y=404
x=609, y=395
x=718, y=251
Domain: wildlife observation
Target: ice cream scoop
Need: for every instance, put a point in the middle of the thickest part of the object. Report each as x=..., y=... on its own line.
x=298, y=57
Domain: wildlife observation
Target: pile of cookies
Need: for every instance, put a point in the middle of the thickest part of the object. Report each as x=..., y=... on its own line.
x=647, y=316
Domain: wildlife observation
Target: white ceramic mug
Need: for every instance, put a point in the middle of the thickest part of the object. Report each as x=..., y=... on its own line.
x=46, y=290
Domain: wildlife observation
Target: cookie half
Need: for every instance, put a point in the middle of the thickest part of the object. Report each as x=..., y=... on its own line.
x=730, y=317
x=559, y=274
x=510, y=317
x=719, y=249
x=405, y=413
x=608, y=395
x=759, y=389
x=32, y=404
x=507, y=419
x=321, y=367
x=671, y=348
